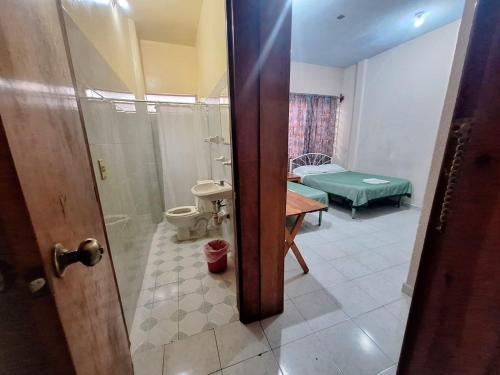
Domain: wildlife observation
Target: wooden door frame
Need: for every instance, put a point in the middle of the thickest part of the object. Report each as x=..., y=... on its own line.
x=259, y=34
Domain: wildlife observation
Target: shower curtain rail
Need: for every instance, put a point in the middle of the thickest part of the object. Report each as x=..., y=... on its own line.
x=131, y=101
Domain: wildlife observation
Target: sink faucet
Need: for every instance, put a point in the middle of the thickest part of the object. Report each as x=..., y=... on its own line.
x=221, y=182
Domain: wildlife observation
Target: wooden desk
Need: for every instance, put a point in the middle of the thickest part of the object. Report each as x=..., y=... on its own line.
x=298, y=205
x=293, y=178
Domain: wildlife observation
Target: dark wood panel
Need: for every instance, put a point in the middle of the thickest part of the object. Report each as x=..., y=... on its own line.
x=454, y=325
x=275, y=39
x=259, y=73
x=243, y=51
x=46, y=139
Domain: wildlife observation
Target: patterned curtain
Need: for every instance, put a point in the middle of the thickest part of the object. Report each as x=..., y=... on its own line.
x=311, y=124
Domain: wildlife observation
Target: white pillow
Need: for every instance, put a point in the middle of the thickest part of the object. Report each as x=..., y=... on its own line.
x=317, y=169
x=331, y=168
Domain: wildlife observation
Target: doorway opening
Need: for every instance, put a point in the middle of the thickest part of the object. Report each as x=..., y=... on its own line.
x=152, y=85
x=367, y=90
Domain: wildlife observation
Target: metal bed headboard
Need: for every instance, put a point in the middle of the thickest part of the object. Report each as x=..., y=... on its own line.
x=309, y=159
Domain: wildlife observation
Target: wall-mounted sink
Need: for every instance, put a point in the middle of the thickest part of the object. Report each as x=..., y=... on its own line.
x=212, y=191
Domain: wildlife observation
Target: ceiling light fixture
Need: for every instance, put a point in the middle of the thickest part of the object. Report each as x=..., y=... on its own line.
x=419, y=19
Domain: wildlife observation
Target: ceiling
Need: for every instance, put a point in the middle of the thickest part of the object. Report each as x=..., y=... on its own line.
x=369, y=27
x=170, y=21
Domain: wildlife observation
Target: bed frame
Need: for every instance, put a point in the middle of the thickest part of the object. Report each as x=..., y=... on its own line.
x=309, y=159
x=320, y=159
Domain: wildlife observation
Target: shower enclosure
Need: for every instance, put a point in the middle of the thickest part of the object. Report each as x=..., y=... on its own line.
x=146, y=156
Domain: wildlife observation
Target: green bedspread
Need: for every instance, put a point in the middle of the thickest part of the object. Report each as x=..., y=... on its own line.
x=350, y=185
x=308, y=192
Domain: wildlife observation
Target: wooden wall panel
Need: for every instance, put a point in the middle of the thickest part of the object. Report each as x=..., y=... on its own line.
x=259, y=53
x=244, y=97
x=454, y=324
x=275, y=31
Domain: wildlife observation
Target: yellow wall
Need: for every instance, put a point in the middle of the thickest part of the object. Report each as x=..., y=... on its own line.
x=108, y=29
x=211, y=46
x=169, y=68
x=165, y=68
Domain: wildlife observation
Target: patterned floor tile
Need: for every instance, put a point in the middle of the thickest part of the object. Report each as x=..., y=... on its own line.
x=180, y=297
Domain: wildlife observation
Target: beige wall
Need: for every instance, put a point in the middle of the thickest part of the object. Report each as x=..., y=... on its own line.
x=169, y=68
x=153, y=66
x=195, y=70
x=211, y=45
x=108, y=29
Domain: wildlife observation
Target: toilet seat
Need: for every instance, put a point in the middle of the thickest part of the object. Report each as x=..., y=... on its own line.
x=182, y=211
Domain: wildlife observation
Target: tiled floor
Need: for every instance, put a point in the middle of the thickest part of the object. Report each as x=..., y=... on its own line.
x=179, y=297
x=347, y=316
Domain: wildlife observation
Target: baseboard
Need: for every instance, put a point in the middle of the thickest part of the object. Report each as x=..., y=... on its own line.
x=407, y=289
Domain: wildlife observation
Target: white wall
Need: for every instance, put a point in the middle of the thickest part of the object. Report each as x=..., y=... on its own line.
x=315, y=79
x=442, y=137
x=396, y=108
x=345, y=117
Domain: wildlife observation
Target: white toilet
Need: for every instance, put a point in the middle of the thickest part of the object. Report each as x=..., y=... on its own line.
x=191, y=221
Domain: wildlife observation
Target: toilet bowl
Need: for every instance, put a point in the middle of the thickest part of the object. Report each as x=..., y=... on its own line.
x=189, y=221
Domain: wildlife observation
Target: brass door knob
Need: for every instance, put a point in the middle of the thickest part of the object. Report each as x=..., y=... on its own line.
x=89, y=253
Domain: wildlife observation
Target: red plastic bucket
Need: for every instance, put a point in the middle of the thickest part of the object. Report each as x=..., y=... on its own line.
x=216, y=254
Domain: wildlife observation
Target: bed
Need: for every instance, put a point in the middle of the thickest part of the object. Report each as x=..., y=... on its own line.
x=311, y=193
x=355, y=188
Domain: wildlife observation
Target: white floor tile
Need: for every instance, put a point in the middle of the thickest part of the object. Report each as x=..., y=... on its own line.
x=168, y=291
x=306, y=356
x=310, y=256
x=216, y=295
x=352, y=299
x=329, y=251
x=286, y=327
x=298, y=283
x=326, y=275
x=374, y=261
x=352, y=350
x=380, y=288
x=193, y=355
x=191, y=302
x=319, y=310
x=263, y=364
x=221, y=314
x=350, y=267
x=189, y=286
x=386, y=330
x=149, y=362
x=400, y=308
x=193, y=323
x=164, y=332
x=238, y=342
x=167, y=277
x=390, y=371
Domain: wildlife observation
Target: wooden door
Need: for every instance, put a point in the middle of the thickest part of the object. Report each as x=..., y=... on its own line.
x=454, y=321
x=72, y=324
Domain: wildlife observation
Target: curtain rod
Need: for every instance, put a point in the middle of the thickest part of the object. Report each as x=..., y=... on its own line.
x=303, y=93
